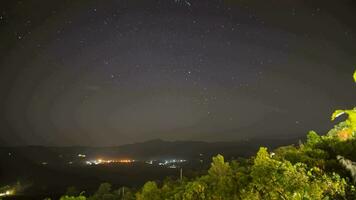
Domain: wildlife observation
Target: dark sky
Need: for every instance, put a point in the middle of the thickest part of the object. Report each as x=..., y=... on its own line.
x=93, y=72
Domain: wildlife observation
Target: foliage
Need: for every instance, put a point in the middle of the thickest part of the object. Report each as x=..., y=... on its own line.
x=350, y=121
x=72, y=191
x=66, y=197
x=274, y=179
x=149, y=191
x=105, y=192
x=349, y=165
x=266, y=177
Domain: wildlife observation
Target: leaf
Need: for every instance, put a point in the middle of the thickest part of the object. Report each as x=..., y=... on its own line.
x=351, y=117
x=336, y=114
x=355, y=76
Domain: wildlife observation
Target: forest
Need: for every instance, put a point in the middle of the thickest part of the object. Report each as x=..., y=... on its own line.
x=321, y=167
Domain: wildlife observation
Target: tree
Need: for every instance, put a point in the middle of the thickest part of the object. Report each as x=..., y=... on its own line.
x=220, y=179
x=274, y=179
x=72, y=191
x=195, y=190
x=149, y=191
x=313, y=139
x=125, y=193
x=66, y=197
x=104, y=192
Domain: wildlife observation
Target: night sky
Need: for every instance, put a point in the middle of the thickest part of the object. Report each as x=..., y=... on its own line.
x=121, y=71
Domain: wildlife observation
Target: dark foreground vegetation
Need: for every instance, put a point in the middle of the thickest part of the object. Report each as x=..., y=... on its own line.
x=319, y=168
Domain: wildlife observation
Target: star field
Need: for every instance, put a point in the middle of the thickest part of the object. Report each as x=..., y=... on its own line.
x=115, y=72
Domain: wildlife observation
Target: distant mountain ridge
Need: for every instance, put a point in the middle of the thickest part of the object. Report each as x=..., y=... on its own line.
x=152, y=149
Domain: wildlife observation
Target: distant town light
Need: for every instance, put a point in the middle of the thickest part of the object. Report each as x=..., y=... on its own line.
x=103, y=161
x=82, y=155
x=150, y=162
x=7, y=193
x=171, y=163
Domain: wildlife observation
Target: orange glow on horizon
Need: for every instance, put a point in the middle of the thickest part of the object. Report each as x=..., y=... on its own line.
x=103, y=161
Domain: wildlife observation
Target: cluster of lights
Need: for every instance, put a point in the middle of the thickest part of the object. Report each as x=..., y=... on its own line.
x=168, y=163
x=7, y=193
x=171, y=162
x=102, y=161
